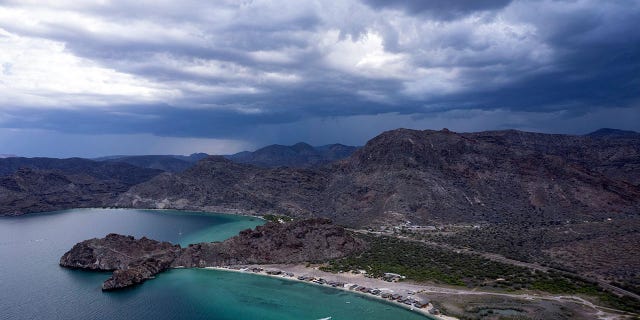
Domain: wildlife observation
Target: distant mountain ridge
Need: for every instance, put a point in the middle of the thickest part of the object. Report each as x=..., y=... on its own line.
x=194, y=157
x=613, y=133
x=299, y=155
x=169, y=163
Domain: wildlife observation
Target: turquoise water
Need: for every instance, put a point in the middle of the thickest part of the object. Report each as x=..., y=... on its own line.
x=33, y=286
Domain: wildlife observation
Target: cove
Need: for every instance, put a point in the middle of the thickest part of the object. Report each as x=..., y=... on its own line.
x=33, y=286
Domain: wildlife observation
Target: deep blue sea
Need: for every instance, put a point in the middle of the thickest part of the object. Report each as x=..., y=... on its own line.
x=33, y=286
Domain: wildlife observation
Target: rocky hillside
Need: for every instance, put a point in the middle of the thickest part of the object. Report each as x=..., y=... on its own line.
x=134, y=261
x=507, y=176
x=116, y=171
x=217, y=184
x=312, y=240
x=425, y=177
x=46, y=184
x=299, y=155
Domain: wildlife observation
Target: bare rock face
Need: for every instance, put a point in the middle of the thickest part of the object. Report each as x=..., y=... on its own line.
x=133, y=261
x=135, y=273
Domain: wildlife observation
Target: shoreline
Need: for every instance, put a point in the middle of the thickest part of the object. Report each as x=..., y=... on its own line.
x=227, y=212
x=408, y=289
x=294, y=277
x=231, y=213
x=194, y=211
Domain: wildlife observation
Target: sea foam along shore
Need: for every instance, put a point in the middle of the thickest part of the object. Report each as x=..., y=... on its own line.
x=293, y=272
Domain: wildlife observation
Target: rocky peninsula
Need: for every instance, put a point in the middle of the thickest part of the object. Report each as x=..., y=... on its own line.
x=134, y=261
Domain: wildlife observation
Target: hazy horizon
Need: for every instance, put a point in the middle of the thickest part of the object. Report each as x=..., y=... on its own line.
x=254, y=148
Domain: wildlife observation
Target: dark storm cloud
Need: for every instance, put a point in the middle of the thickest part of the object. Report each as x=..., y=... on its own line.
x=440, y=9
x=597, y=62
x=221, y=70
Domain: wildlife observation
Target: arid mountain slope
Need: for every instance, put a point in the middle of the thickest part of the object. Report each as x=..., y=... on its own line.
x=423, y=177
x=30, y=190
x=218, y=184
x=117, y=171
x=45, y=184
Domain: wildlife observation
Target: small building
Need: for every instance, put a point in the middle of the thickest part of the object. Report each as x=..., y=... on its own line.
x=392, y=277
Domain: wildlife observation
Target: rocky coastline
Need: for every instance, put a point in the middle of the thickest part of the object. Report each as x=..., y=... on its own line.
x=134, y=261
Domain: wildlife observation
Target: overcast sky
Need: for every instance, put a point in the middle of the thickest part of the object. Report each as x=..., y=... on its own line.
x=90, y=78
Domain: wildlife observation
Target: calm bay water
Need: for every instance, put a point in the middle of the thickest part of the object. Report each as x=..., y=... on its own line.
x=33, y=286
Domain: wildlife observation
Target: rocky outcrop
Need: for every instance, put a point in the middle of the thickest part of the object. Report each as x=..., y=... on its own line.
x=313, y=240
x=134, y=261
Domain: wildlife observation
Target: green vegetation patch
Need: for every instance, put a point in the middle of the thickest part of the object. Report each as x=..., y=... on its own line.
x=423, y=263
x=420, y=262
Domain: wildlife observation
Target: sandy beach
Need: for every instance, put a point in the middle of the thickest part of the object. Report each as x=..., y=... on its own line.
x=405, y=292
x=347, y=282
